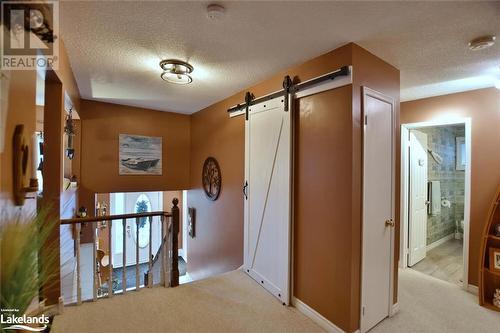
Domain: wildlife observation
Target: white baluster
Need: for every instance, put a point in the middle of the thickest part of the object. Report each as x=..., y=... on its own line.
x=137, y=253
x=124, y=267
x=78, y=266
x=94, y=262
x=163, y=252
x=150, y=265
x=110, y=260
x=169, y=251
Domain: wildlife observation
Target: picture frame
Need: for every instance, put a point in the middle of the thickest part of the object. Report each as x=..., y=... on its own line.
x=140, y=155
x=494, y=260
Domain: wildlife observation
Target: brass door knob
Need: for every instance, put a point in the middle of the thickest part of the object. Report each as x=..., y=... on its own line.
x=389, y=223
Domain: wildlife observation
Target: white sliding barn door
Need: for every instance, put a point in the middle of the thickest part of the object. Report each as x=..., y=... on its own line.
x=267, y=202
x=417, y=231
x=378, y=209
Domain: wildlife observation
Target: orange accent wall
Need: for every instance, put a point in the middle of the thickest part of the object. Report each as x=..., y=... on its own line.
x=483, y=107
x=101, y=124
x=218, y=245
x=21, y=110
x=323, y=222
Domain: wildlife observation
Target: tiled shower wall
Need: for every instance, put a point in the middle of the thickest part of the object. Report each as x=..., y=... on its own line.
x=441, y=139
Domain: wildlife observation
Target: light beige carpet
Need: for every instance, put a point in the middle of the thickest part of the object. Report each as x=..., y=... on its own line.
x=430, y=305
x=230, y=302
x=233, y=302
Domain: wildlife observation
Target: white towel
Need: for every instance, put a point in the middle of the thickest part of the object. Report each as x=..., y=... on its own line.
x=434, y=197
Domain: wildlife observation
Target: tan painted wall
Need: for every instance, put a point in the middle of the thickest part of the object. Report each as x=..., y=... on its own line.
x=322, y=228
x=101, y=124
x=218, y=244
x=483, y=107
x=21, y=110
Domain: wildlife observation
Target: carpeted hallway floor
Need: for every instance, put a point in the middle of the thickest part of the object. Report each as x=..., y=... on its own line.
x=230, y=302
x=430, y=305
x=233, y=302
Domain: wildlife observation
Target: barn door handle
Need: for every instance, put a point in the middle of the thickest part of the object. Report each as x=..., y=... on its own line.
x=245, y=187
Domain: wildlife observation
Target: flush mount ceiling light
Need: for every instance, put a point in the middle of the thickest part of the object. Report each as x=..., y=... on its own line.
x=481, y=43
x=176, y=71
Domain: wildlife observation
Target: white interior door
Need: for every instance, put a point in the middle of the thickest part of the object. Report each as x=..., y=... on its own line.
x=378, y=198
x=417, y=231
x=267, y=202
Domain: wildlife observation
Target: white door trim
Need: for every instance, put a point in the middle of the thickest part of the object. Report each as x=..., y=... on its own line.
x=467, y=193
x=375, y=94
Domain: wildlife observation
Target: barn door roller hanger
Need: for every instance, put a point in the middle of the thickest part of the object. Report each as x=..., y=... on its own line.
x=289, y=88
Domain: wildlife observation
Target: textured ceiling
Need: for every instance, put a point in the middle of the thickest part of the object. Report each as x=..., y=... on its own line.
x=115, y=47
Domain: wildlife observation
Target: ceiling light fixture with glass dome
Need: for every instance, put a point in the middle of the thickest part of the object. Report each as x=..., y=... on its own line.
x=176, y=71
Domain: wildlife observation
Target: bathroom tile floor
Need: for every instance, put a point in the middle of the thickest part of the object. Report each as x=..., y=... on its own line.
x=444, y=262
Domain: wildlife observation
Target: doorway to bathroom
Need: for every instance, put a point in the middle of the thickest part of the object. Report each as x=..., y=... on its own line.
x=435, y=194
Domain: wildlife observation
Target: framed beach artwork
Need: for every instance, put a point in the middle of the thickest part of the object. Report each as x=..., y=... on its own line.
x=140, y=155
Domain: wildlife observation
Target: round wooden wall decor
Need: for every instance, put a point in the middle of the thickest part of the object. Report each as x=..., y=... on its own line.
x=211, y=178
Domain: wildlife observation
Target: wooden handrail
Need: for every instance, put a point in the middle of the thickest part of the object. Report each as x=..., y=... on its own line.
x=114, y=217
x=170, y=224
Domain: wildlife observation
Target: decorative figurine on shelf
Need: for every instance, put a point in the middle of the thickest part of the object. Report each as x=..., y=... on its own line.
x=496, y=298
x=496, y=229
x=101, y=210
x=82, y=212
x=69, y=129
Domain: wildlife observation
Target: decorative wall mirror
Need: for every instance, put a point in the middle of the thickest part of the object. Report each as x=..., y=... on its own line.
x=461, y=156
x=211, y=178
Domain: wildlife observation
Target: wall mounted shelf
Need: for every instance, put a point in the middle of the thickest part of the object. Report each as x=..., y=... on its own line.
x=489, y=279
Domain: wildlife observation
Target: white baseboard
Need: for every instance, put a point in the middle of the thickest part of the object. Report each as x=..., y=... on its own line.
x=316, y=317
x=185, y=278
x=440, y=241
x=181, y=254
x=473, y=289
x=394, y=310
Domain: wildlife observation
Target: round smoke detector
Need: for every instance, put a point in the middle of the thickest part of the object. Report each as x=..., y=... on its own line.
x=215, y=12
x=481, y=43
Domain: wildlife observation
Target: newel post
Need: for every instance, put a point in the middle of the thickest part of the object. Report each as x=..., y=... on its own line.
x=174, y=276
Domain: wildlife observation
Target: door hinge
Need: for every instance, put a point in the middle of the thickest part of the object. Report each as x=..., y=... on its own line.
x=363, y=311
x=366, y=119
x=245, y=188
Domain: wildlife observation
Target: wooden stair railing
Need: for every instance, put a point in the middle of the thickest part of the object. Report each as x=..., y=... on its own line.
x=168, y=249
